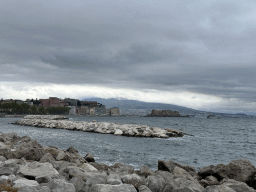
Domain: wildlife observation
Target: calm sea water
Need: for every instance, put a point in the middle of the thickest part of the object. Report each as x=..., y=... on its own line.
x=215, y=141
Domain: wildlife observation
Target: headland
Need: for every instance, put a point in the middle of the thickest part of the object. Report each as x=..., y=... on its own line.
x=59, y=122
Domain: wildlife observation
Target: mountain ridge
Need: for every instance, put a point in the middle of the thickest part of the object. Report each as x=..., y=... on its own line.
x=135, y=107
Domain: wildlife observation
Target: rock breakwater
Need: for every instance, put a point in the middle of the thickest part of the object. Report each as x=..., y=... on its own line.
x=27, y=166
x=57, y=122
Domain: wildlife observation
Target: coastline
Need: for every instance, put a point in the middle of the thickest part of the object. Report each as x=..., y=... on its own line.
x=29, y=166
x=12, y=116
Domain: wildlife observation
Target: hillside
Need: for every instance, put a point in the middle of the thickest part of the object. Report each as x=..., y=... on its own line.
x=133, y=107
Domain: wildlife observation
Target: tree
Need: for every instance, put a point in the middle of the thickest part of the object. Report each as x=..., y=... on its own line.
x=24, y=108
x=57, y=110
x=41, y=110
x=33, y=110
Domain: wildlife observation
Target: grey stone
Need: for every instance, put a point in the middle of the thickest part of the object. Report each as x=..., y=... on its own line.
x=170, y=165
x=6, y=171
x=95, y=178
x=237, y=185
x=47, y=158
x=44, y=189
x=185, y=189
x=36, y=169
x=64, y=156
x=168, y=177
x=144, y=188
x=2, y=158
x=240, y=170
x=112, y=188
x=218, y=188
x=100, y=166
x=72, y=150
x=121, y=169
x=78, y=183
x=60, y=185
x=154, y=183
x=133, y=179
x=27, y=189
x=24, y=182
x=89, y=158
x=43, y=179
x=8, y=168
x=114, y=179
x=145, y=171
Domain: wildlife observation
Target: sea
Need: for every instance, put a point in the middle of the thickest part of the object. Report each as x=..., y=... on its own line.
x=213, y=141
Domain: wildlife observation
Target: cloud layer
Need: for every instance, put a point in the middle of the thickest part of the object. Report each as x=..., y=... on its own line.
x=180, y=48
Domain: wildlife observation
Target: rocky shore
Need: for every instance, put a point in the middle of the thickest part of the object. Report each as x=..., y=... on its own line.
x=57, y=122
x=26, y=166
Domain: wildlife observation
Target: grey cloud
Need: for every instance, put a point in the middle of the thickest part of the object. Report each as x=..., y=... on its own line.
x=170, y=45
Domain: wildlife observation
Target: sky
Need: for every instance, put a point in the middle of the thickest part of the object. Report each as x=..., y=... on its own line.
x=196, y=54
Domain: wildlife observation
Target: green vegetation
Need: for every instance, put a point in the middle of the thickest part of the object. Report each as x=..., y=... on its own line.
x=57, y=110
x=15, y=108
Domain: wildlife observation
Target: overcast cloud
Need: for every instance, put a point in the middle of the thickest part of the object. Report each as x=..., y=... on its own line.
x=198, y=54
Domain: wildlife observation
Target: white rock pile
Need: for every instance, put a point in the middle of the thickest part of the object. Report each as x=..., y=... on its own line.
x=55, y=122
x=27, y=166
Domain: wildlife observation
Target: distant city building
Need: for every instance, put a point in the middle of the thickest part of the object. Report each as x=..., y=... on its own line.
x=72, y=102
x=72, y=110
x=114, y=111
x=53, y=102
x=100, y=110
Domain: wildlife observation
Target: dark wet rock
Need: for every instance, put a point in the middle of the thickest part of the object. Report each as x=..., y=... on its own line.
x=170, y=165
x=121, y=169
x=64, y=156
x=72, y=150
x=100, y=166
x=89, y=177
x=34, y=154
x=52, y=150
x=145, y=171
x=240, y=170
x=43, y=179
x=89, y=158
x=47, y=158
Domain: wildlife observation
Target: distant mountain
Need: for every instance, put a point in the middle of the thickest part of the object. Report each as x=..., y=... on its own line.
x=133, y=107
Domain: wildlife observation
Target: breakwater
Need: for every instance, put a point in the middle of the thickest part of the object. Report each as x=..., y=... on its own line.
x=25, y=165
x=58, y=122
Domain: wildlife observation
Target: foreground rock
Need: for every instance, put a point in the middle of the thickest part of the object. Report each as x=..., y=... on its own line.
x=49, y=121
x=67, y=171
